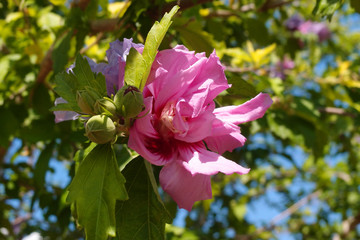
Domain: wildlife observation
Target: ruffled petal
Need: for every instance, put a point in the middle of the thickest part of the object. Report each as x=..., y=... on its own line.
x=248, y=111
x=184, y=187
x=229, y=142
x=198, y=128
x=205, y=162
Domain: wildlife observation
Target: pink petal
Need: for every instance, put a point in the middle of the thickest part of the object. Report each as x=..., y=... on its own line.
x=229, y=142
x=225, y=137
x=145, y=140
x=211, y=79
x=248, y=111
x=184, y=187
x=183, y=74
x=205, y=162
x=198, y=128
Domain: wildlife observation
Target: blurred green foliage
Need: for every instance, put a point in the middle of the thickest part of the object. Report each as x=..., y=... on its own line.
x=304, y=154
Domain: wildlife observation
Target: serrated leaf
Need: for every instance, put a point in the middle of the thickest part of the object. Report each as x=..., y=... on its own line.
x=135, y=68
x=153, y=41
x=144, y=216
x=326, y=8
x=86, y=78
x=79, y=78
x=97, y=185
x=66, y=87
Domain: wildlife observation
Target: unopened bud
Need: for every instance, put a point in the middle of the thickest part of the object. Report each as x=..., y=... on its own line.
x=105, y=106
x=100, y=129
x=129, y=102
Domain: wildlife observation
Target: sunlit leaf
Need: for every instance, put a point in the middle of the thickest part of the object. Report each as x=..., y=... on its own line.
x=94, y=190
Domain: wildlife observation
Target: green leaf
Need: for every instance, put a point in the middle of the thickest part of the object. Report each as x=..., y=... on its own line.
x=97, y=185
x=59, y=55
x=241, y=87
x=41, y=100
x=326, y=8
x=193, y=36
x=134, y=69
x=153, y=41
x=9, y=123
x=143, y=217
x=355, y=4
x=66, y=87
x=86, y=78
x=62, y=107
x=42, y=165
x=81, y=77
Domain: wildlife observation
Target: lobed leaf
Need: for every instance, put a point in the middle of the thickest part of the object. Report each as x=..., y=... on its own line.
x=97, y=184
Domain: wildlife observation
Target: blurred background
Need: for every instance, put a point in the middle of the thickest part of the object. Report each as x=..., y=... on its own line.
x=303, y=154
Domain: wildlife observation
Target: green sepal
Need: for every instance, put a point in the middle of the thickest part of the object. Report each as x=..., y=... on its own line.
x=97, y=184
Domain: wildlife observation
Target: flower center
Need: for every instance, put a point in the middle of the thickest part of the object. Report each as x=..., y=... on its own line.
x=167, y=117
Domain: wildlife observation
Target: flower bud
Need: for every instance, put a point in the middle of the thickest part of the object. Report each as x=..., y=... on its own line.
x=105, y=105
x=129, y=102
x=86, y=99
x=100, y=129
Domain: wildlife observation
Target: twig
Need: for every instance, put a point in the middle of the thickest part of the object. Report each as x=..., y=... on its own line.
x=337, y=111
x=348, y=225
x=289, y=211
x=98, y=38
x=273, y=4
x=293, y=208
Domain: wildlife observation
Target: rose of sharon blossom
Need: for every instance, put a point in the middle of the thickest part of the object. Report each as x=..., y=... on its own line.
x=113, y=71
x=182, y=118
x=318, y=28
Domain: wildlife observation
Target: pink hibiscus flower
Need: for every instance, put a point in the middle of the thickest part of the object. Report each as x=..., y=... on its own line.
x=182, y=118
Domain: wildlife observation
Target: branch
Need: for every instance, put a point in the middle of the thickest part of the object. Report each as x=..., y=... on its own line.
x=337, y=111
x=273, y=4
x=293, y=208
x=348, y=225
x=289, y=211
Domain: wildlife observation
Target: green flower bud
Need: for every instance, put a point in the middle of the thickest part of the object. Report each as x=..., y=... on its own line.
x=100, y=129
x=86, y=100
x=105, y=105
x=129, y=102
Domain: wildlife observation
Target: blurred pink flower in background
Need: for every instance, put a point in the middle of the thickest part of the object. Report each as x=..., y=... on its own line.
x=281, y=67
x=182, y=118
x=320, y=29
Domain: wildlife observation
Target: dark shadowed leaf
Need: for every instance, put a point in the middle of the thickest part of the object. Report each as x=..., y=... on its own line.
x=143, y=216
